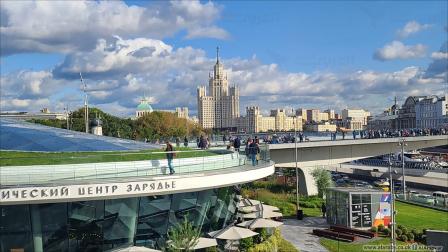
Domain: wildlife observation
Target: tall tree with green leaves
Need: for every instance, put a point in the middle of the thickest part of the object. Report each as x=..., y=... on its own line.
x=322, y=178
x=184, y=236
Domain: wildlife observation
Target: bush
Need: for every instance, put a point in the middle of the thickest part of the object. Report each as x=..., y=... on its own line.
x=211, y=249
x=405, y=231
x=274, y=243
x=380, y=228
x=386, y=232
x=398, y=232
x=374, y=229
x=414, y=231
x=410, y=236
x=246, y=243
x=404, y=238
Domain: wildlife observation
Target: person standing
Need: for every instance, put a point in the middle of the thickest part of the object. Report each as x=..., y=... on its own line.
x=324, y=210
x=253, y=151
x=169, y=156
x=177, y=142
x=185, y=141
x=237, y=144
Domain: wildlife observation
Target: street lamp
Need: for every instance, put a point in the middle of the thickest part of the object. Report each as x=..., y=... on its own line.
x=299, y=212
x=392, y=206
x=403, y=143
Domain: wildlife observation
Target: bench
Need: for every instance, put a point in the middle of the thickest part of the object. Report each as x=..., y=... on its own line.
x=334, y=235
x=353, y=231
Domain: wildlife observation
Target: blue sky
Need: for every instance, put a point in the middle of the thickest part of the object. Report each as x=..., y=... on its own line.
x=311, y=45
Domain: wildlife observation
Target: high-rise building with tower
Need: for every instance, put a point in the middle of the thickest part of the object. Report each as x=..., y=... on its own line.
x=220, y=106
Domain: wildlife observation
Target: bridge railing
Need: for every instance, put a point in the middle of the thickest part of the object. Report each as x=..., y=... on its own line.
x=123, y=165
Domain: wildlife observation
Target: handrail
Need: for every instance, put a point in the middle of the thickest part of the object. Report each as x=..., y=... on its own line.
x=44, y=174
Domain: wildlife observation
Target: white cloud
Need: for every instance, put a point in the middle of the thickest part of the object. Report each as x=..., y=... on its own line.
x=397, y=50
x=439, y=55
x=118, y=73
x=48, y=26
x=410, y=28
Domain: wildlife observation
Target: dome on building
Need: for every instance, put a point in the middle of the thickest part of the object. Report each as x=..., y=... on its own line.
x=144, y=105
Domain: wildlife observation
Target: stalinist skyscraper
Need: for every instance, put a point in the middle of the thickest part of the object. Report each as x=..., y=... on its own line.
x=220, y=106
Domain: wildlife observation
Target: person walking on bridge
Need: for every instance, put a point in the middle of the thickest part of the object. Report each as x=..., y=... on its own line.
x=169, y=156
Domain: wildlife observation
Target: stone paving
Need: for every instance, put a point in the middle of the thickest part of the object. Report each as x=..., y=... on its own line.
x=299, y=233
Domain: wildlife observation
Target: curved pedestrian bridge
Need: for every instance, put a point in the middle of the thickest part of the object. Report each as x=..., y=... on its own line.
x=109, y=180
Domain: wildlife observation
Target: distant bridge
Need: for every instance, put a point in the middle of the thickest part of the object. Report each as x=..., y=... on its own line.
x=327, y=153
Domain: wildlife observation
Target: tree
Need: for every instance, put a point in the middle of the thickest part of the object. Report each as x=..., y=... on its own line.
x=322, y=178
x=184, y=236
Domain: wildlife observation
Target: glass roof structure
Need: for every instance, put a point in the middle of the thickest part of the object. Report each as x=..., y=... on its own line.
x=23, y=136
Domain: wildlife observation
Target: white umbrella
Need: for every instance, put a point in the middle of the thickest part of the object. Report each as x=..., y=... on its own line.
x=134, y=249
x=256, y=208
x=263, y=214
x=205, y=243
x=260, y=223
x=201, y=243
x=232, y=233
x=248, y=202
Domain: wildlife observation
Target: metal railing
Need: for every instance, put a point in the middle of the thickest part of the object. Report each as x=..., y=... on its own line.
x=184, y=162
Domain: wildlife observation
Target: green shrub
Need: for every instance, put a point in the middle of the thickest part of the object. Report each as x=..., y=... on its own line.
x=374, y=229
x=380, y=228
x=274, y=243
x=399, y=226
x=404, y=238
x=410, y=236
x=386, y=232
x=211, y=249
x=246, y=243
x=398, y=232
x=405, y=231
x=414, y=231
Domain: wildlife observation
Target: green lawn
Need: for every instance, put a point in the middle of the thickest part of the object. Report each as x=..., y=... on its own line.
x=332, y=245
x=8, y=158
x=412, y=216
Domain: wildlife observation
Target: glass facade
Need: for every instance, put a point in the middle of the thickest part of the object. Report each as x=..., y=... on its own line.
x=105, y=224
x=357, y=208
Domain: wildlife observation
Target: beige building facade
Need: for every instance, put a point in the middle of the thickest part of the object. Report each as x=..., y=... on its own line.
x=255, y=122
x=355, y=119
x=219, y=107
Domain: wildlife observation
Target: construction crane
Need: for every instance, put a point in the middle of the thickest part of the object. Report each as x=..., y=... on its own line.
x=86, y=105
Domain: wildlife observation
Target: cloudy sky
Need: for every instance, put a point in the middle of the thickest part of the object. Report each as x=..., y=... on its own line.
x=280, y=54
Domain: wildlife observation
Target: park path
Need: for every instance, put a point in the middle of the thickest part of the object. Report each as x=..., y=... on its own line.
x=299, y=233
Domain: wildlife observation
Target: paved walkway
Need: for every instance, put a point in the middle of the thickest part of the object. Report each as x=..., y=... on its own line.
x=299, y=233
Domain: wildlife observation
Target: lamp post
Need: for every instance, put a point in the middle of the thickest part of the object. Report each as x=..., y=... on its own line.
x=392, y=206
x=299, y=212
x=402, y=143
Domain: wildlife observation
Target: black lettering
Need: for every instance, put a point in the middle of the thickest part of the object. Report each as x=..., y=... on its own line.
x=173, y=184
x=81, y=191
x=114, y=187
x=144, y=186
x=64, y=191
x=43, y=193
x=53, y=192
x=107, y=189
x=152, y=186
x=137, y=187
x=129, y=188
x=167, y=185
x=5, y=195
x=160, y=186
x=89, y=190
x=33, y=193
x=15, y=194
x=24, y=194
x=99, y=190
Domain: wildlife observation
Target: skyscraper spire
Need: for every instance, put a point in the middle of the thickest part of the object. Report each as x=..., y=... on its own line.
x=217, y=54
